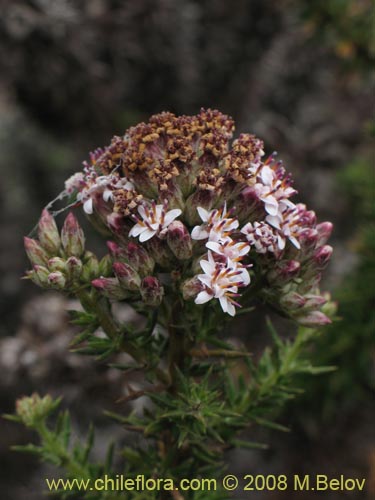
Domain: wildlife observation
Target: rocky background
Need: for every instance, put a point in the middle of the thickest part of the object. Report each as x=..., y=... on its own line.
x=296, y=73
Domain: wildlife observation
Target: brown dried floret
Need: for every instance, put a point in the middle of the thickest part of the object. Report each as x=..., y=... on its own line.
x=162, y=173
x=212, y=119
x=215, y=143
x=209, y=179
x=162, y=122
x=126, y=201
x=246, y=150
x=112, y=157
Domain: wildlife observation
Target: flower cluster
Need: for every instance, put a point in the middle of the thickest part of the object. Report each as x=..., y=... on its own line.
x=179, y=199
x=223, y=271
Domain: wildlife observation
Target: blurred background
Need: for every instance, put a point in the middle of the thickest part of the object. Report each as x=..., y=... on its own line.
x=296, y=73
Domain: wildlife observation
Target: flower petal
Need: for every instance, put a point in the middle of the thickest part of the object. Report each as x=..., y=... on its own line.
x=88, y=206
x=203, y=214
x=231, y=310
x=198, y=233
x=146, y=235
x=171, y=216
x=136, y=230
x=224, y=303
x=207, y=266
x=215, y=247
x=142, y=212
x=107, y=195
x=202, y=297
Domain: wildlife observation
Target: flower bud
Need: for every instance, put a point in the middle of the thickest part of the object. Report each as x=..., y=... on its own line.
x=160, y=252
x=179, y=240
x=72, y=237
x=310, y=279
x=128, y=278
x=36, y=254
x=190, y=288
x=105, y=266
x=110, y=288
x=284, y=271
x=39, y=276
x=330, y=307
x=90, y=266
x=113, y=248
x=57, y=264
x=322, y=256
x=314, y=302
x=132, y=254
x=324, y=232
x=48, y=233
x=292, y=301
x=139, y=259
x=308, y=239
x=313, y=319
x=151, y=291
x=74, y=268
x=34, y=409
x=309, y=218
x=56, y=280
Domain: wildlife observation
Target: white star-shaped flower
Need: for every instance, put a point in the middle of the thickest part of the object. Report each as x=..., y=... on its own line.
x=216, y=225
x=154, y=220
x=221, y=281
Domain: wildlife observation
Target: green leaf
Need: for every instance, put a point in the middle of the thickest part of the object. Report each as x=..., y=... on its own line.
x=249, y=444
x=270, y=424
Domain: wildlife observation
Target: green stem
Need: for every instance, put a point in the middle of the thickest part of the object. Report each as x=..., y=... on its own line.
x=100, y=307
x=176, y=353
x=55, y=448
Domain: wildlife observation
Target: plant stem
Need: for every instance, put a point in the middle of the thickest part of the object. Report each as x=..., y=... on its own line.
x=176, y=353
x=100, y=307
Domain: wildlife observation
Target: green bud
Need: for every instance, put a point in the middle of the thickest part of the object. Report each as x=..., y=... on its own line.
x=57, y=264
x=39, y=276
x=330, y=307
x=110, y=288
x=160, y=252
x=36, y=254
x=151, y=291
x=128, y=278
x=292, y=301
x=48, y=233
x=56, y=280
x=190, y=288
x=73, y=268
x=72, y=237
x=179, y=240
x=313, y=319
x=34, y=409
x=91, y=267
x=105, y=266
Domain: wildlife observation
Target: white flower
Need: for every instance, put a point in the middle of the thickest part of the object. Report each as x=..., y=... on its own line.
x=154, y=220
x=229, y=249
x=217, y=225
x=114, y=184
x=287, y=222
x=221, y=281
x=262, y=237
x=243, y=276
x=75, y=182
x=104, y=184
x=272, y=190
